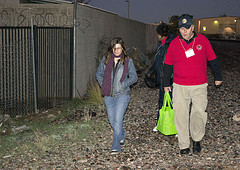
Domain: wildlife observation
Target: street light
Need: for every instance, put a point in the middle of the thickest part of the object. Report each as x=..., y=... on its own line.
x=128, y=1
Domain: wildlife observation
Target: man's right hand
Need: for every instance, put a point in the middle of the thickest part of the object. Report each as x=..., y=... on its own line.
x=167, y=89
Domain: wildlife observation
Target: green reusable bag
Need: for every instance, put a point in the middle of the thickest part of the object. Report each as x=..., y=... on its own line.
x=165, y=123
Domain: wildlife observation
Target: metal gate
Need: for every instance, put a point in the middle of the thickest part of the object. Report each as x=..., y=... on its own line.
x=53, y=51
x=50, y=65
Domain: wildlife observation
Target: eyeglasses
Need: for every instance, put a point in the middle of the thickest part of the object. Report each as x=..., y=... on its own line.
x=118, y=48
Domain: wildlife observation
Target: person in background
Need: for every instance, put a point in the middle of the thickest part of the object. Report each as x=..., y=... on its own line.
x=164, y=37
x=115, y=74
x=186, y=59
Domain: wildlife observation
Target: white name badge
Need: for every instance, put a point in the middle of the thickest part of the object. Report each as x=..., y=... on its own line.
x=189, y=53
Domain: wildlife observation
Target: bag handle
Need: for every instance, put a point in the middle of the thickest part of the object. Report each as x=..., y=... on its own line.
x=164, y=101
x=167, y=100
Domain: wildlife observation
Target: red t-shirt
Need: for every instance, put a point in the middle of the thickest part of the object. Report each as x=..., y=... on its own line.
x=191, y=70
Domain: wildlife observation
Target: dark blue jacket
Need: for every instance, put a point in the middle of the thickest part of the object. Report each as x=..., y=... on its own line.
x=160, y=58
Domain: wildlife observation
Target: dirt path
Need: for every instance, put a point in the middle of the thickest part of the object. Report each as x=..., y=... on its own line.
x=145, y=149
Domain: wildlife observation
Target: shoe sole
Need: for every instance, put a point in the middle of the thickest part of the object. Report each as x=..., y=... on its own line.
x=185, y=152
x=114, y=152
x=196, y=152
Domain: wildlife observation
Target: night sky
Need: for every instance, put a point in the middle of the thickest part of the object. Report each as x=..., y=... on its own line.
x=150, y=11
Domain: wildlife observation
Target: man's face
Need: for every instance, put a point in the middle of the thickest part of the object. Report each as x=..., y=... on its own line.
x=187, y=33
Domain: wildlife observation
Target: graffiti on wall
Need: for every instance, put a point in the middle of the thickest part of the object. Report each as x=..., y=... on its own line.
x=23, y=17
x=102, y=47
x=82, y=24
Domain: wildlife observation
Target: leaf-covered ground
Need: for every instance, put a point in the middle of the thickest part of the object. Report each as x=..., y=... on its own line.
x=145, y=149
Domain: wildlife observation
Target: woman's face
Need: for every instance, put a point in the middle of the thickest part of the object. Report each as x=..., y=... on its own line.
x=117, y=49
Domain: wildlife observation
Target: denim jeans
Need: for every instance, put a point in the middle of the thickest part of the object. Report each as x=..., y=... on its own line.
x=116, y=108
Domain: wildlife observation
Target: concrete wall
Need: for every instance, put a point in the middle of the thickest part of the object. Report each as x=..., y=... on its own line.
x=9, y=1
x=94, y=30
x=41, y=14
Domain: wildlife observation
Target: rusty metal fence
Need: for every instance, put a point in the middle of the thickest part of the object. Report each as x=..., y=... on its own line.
x=54, y=56
x=35, y=68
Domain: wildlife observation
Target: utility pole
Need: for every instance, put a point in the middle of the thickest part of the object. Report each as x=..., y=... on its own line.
x=128, y=1
x=74, y=49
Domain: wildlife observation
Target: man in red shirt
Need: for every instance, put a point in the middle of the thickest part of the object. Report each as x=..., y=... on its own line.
x=187, y=58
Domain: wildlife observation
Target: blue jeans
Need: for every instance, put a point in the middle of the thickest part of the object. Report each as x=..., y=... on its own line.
x=116, y=108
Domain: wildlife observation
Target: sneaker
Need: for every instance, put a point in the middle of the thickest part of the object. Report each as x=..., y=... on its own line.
x=122, y=142
x=155, y=129
x=114, y=152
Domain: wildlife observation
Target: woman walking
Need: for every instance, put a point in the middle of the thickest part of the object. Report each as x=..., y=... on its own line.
x=115, y=74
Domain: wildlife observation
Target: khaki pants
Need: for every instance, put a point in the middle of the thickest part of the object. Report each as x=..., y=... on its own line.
x=195, y=121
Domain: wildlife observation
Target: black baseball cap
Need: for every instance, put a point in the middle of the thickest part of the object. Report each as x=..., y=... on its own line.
x=185, y=21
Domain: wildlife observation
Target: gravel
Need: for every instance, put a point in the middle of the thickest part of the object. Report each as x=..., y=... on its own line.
x=145, y=149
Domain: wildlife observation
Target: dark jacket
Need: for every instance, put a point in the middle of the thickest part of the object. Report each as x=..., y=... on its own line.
x=154, y=76
x=161, y=58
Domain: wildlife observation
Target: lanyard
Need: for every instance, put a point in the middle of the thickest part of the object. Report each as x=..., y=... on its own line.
x=183, y=46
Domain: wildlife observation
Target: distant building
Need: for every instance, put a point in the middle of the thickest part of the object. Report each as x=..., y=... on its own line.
x=226, y=27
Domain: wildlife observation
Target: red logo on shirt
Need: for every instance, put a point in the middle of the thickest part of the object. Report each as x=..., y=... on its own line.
x=199, y=47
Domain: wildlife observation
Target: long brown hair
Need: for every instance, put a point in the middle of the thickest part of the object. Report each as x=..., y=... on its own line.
x=117, y=40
